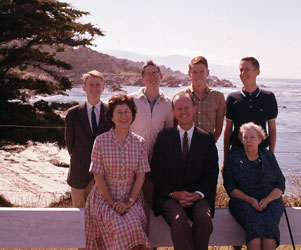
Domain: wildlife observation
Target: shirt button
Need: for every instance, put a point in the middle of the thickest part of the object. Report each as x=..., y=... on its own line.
x=250, y=100
x=199, y=112
x=250, y=106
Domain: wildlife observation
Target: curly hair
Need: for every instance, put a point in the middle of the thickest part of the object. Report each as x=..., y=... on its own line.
x=119, y=99
x=251, y=125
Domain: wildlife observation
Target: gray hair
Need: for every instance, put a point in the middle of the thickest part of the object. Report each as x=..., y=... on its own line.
x=251, y=125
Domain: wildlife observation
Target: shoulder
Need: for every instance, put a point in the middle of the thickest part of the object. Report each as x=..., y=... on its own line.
x=106, y=136
x=168, y=133
x=265, y=153
x=267, y=94
x=137, y=138
x=234, y=95
x=216, y=93
x=203, y=135
x=76, y=109
x=164, y=98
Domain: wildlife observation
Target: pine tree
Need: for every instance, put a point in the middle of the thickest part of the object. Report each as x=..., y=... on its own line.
x=31, y=33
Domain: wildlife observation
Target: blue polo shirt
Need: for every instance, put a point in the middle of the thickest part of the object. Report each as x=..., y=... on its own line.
x=259, y=107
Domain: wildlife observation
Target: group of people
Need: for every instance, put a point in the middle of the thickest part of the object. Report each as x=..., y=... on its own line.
x=144, y=150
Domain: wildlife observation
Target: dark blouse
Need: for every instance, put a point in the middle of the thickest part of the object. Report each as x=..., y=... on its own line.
x=253, y=179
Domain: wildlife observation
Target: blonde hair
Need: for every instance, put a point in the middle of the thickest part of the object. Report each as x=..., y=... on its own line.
x=92, y=73
x=251, y=125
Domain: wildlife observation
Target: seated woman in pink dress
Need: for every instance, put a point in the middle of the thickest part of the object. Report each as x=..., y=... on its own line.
x=115, y=216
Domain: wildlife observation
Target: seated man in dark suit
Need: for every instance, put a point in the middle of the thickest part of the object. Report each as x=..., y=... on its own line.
x=184, y=169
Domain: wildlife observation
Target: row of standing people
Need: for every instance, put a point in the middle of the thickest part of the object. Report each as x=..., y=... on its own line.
x=183, y=158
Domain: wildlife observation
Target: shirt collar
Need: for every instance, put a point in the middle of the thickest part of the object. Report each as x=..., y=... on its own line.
x=141, y=94
x=97, y=106
x=182, y=131
x=255, y=93
x=190, y=89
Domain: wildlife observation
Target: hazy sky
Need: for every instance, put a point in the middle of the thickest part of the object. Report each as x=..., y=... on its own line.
x=223, y=31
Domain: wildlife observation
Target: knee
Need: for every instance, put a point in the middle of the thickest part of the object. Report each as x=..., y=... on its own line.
x=179, y=218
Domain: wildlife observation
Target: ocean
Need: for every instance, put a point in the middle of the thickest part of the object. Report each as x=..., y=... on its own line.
x=288, y=95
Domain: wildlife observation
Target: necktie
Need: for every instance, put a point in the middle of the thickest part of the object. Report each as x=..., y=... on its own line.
x=185, y=145
x=94, y=123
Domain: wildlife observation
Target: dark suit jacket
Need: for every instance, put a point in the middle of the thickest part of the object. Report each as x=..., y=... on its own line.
x=79, y=140
x=170, y=172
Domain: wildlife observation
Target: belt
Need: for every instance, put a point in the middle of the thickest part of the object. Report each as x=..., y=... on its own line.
x=119, y=180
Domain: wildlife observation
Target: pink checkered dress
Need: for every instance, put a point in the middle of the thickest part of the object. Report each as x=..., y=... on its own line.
x=105, y=228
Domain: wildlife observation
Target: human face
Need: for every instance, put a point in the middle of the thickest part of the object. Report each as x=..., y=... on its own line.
x=250, y=140
x=122, y=116
x=248, y=73
x=183, y=111
x=198, y=74
x=151, y=77
x=93, y=87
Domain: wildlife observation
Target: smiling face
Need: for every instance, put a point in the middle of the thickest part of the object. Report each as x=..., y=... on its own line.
x=122, y=116
x=93, y=87
x=183, y=110
x=248, y=73
x=250, y=140
x=151, y=77
x=198, y=73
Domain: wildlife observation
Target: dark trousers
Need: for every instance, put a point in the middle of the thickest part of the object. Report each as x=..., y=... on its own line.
x=183, y=236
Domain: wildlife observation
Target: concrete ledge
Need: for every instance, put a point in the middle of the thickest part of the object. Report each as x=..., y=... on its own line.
x=64, y=228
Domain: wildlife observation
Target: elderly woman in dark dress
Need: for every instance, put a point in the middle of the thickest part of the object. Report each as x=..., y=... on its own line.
x=255, y=184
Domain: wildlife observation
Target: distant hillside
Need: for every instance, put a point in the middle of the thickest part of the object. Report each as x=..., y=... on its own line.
x=117, y=72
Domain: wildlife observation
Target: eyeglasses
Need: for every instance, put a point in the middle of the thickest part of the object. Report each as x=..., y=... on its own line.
x=149, y=74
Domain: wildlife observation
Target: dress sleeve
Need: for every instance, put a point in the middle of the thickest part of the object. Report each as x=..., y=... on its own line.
x=280, y=181
x=229, y=182
x=97, y=158
x=143, y=161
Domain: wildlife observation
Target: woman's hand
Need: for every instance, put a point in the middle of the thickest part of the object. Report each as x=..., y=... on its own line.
x=255, y=204
x=263, y=203
x=122, y=207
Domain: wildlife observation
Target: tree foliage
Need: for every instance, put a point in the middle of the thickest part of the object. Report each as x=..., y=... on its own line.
x=31, y=33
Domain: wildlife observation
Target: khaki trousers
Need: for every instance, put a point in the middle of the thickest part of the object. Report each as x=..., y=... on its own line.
x=79, y=196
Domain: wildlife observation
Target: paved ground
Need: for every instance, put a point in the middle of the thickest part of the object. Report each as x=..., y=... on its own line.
x=33, y=175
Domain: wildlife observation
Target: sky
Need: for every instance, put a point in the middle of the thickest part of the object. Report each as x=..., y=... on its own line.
x=222, y=31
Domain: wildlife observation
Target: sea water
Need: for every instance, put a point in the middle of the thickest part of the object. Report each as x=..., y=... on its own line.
x=288, y=145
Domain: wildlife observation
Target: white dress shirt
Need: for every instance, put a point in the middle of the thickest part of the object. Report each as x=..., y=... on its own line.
x=96, y=111
x=189, y=136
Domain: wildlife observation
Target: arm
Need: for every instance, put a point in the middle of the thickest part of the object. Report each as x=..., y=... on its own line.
x=157, y=174
x=227, y=137
x=218, y=128
x=140, y=177
x=220, y=114
x=69, y=132
x=208, y=181
x=169, y=123
x=103, y=188
x=274, y=195
x=236, y=193
x=272, y=134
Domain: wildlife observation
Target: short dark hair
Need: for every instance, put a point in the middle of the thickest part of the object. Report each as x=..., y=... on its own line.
x=181, y=93
x=118, y=99
x=149, y=63
x=252, y=60
x=198, y=60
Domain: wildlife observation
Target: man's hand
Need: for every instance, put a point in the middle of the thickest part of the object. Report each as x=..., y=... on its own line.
x=186, y=199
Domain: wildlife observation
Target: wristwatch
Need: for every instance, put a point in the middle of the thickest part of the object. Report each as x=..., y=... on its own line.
x=131, y=200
